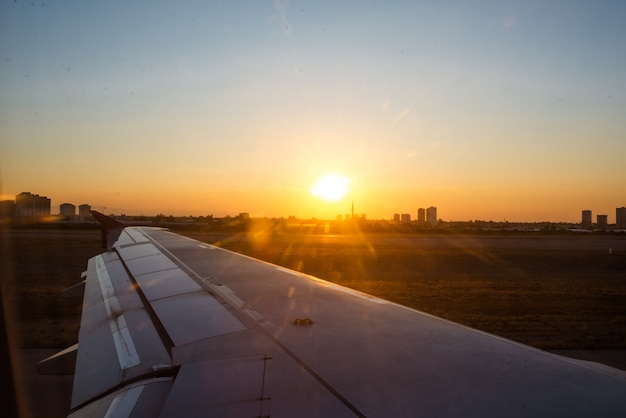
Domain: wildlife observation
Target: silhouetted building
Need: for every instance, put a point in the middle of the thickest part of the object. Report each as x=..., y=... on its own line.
x=602, y=221
x=586, y=221
x=431, y=216
x=396, y=217
x=405, y=218
x=31, y=206
x=67, y=210
x=7, y=209
x=84, y=212
x=421, y=216
x=620, y=217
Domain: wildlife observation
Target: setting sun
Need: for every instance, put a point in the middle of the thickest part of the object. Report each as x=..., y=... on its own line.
x=331, y=187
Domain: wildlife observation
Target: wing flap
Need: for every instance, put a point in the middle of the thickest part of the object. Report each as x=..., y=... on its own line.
x=116, y=336
x=138, y=306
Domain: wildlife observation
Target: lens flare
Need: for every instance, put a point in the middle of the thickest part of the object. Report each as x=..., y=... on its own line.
x=331, y=187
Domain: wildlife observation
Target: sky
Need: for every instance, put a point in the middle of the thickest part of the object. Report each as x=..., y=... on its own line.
x=494, y=110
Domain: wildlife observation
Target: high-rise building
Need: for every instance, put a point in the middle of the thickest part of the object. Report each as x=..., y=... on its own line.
x=31, y=206
x=405, y=218
x=620, y=217
x=431, y=216
x=602, y=221
x=421, y=216
x=586, y=220
x=396, y=217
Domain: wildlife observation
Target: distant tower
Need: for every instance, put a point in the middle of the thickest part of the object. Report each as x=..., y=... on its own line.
x=586, y=221
x=421, y=216
x=67, y=210
x=620, y=218
x=405, y=218
x=602, y=222
x=396, y=217
x=431, y=216
x=353, y=209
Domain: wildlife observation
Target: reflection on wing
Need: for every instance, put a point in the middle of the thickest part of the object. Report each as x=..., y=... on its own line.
x=174, y=327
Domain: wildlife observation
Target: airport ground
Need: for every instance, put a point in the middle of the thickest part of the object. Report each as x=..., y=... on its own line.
x=561, y=293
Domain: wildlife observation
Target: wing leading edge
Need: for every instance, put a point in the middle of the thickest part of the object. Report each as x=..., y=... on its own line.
x=175, y=327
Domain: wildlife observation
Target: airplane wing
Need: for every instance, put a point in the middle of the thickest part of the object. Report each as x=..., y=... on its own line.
x=175, y=327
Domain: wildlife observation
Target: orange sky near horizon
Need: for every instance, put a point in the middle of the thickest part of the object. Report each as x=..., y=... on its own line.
x=453, y=205
x=492, y=112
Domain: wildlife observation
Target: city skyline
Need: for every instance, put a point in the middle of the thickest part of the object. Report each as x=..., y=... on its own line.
x=487, y=111
x=424, y=216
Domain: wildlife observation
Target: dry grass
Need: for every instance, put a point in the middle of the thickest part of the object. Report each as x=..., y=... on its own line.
x=42, y=264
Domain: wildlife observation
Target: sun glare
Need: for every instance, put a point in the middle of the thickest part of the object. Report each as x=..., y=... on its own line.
x=331, y=187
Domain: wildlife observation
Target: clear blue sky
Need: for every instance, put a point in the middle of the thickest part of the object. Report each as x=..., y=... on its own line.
x=488, y=110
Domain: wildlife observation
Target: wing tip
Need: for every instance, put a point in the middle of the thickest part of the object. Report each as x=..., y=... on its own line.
x=107, y=222
x=111, y=229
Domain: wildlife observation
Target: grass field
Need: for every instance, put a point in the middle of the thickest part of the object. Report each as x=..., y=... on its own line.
x=549, y=292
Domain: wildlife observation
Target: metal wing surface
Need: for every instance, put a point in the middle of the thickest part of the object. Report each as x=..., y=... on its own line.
x=175, y=327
